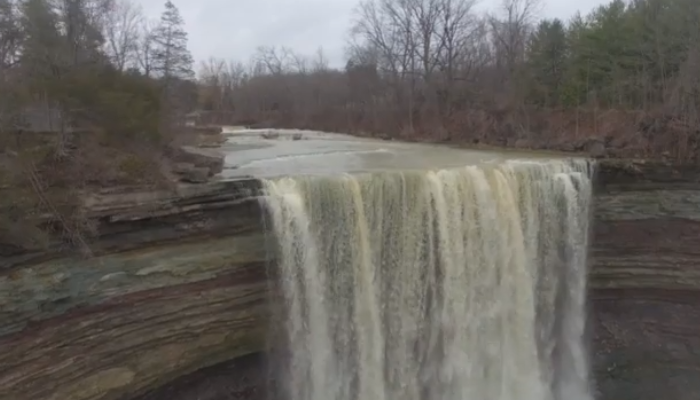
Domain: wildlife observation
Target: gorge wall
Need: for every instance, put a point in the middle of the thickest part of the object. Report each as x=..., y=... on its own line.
x=178, y=284
x=645, y=282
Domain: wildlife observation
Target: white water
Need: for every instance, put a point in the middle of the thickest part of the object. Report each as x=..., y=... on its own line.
x=459, y=284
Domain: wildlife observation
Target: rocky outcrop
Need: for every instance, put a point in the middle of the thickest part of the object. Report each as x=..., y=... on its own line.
x=177, y=283
x=196, y=165
x=645, y=281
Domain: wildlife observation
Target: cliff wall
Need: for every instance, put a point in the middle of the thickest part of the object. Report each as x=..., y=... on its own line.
x=178, y=284
x=645, y=281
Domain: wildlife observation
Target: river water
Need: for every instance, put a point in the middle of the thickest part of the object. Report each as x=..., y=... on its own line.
x=412, y=272
x=319, y=153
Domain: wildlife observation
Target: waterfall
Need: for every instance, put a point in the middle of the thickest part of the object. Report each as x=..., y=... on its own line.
x=451, y=284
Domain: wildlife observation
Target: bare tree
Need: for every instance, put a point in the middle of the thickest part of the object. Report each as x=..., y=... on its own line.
x=236, y=73
x=511, y=29
x=388, y=26
x=419, y=45
x=211, y=69
x=212, y=77
x=457, y=34
x=235, y=76
x=145, y=46
x=320, y=62
x=122, y=32
x=274, y=61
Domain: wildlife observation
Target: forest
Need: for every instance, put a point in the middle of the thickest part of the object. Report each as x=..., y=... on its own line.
x=93, y=93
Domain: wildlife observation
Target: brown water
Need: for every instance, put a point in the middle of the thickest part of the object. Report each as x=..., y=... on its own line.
x=318, y=153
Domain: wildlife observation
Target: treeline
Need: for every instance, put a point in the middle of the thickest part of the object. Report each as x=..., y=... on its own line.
x=637, y=55
x=627, y=73
x=91, y=93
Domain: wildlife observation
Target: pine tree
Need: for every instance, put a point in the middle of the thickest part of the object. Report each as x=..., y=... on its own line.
x=9, y=34
x=81, y=32
x=547, y=59
x=42, y=41
x=171, y=58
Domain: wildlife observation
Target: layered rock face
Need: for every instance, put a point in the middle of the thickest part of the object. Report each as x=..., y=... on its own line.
x=178, y=284
x=645, y=282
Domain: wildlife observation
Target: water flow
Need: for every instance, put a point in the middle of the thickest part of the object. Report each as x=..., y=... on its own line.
x=460, y=284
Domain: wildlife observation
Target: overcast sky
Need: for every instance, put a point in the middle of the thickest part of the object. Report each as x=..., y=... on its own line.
x=233, y=29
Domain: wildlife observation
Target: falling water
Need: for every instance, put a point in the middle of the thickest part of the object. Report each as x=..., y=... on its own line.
x=459, y=284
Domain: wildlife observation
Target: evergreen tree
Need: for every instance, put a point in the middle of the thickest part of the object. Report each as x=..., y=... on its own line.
x=42, y=39
x=9, y=33
x=171, y=58
x=548, y=58
x=81, y=32
x=621, y=55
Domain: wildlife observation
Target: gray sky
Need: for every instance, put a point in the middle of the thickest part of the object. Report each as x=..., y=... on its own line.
x=233, y=29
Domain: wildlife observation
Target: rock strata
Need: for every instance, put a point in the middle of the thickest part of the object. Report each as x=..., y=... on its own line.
x=645, y=281
x=177, y=283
